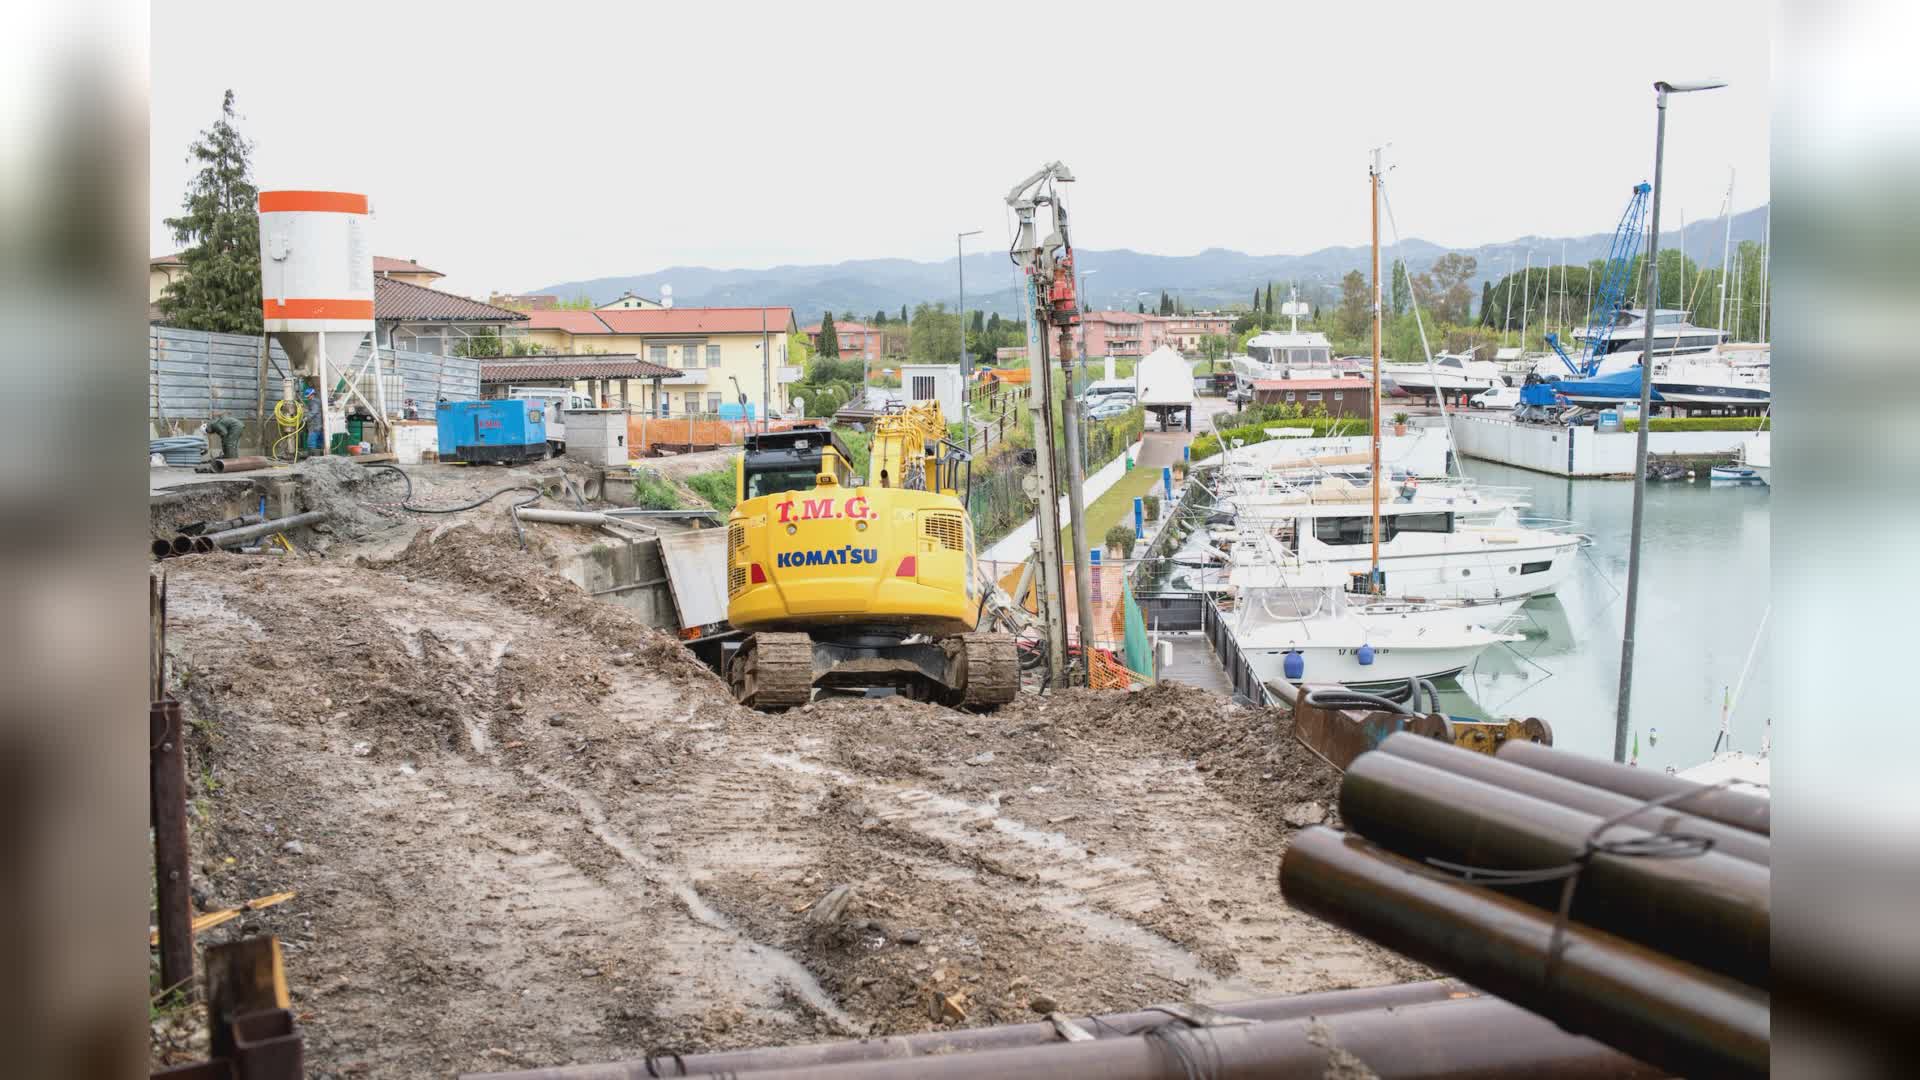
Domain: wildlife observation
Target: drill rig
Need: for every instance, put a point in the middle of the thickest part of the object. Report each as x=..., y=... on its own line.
x=848, y=585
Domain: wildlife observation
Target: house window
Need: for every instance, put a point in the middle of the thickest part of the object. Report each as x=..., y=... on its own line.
x=1336, y=395
x=693, y=402
x=1313, y=395
x=659, y=354
x=713, y=356
x=1289, y=395
x=922, y=387
x=690, y=356
x=713, y=403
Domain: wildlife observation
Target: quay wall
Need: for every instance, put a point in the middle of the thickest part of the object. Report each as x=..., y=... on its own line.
x=1579, y=451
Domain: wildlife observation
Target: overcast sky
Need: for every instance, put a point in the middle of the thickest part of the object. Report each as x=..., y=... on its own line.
x=514, y=145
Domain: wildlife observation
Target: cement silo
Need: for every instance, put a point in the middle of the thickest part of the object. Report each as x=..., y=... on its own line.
x=316, y=297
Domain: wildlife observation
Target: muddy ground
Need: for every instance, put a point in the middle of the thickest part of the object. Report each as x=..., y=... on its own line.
x=527, y=829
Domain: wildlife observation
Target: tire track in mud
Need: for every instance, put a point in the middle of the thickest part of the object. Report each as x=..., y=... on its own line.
x=1104, y=895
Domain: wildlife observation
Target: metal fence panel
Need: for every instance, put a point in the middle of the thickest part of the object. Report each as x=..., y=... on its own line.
x=191, y=374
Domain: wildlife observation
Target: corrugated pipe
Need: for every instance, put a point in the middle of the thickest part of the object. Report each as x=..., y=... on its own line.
x=236, y=537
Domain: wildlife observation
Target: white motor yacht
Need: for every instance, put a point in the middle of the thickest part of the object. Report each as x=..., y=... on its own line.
x=1427, y=547
x=1336, y=636
x=1451, y=373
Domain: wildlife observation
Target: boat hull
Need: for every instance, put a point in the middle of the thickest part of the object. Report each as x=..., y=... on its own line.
x=1391, y=663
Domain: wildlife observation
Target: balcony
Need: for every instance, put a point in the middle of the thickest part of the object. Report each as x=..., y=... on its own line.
x=788, y=373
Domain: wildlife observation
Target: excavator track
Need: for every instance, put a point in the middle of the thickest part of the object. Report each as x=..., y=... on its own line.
x=772, y=671
x=992, y=670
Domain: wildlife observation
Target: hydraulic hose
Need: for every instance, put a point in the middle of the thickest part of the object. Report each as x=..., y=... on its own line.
x=291, y=423
x=407, y=502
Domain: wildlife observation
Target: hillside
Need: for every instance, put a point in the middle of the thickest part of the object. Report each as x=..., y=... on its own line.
x=1212, y=277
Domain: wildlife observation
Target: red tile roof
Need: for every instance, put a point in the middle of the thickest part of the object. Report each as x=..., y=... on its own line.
x=844, y=328
x=1312, y=384
x=598, y=366
x=406, y=302
x=572, y=321
x=712, y=320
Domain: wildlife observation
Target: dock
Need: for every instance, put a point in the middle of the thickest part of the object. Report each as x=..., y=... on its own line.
x=1583, y=452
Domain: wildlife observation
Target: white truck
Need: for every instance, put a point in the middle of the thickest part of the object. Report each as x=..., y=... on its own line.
x=1163, y=383
x=559, y=400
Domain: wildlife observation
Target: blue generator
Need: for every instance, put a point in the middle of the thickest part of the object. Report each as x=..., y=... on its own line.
x=503, y=431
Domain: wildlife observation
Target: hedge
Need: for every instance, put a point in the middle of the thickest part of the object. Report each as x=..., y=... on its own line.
x=1208, y=445
x=1702, y=423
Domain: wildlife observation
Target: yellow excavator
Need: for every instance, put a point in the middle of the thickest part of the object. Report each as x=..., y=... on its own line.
x=845, y=584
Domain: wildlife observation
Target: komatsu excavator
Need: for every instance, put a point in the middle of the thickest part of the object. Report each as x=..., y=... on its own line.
x=851, y=583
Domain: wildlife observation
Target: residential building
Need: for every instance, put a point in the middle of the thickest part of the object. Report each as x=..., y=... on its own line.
x=405, y=270
x=1187, y=332
x=162, y=269
x=858, y=341
x=1340, y=397
x=524, y=301
x=1117, y=333
x=418, y=319
x=631, y=301
x=717, y=353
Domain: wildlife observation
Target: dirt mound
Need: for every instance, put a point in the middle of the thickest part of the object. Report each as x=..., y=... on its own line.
x=348, y=492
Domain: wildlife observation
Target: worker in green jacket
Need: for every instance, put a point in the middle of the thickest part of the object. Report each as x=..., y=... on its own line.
x=229, y=431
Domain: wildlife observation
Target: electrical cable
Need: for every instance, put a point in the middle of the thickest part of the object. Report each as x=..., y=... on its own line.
x=290, y=427
x=512, y=510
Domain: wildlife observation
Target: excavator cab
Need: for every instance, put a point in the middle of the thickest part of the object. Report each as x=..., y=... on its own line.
x=795, y=460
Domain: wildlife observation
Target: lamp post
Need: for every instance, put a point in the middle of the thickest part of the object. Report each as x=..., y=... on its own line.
x=966, y=365
x=1623, y=705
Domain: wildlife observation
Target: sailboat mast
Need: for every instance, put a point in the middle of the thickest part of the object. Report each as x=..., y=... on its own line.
x=1373, y=532
x=1726, y=256
x=1766, y=259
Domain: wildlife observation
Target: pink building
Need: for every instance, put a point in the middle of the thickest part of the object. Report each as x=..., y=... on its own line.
x=858, y=341
x=1117, y=333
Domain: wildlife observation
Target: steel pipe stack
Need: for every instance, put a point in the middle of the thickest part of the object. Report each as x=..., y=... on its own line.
x=1463, y=862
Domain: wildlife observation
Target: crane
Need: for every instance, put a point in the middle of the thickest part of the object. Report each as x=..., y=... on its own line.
x=1612, y=294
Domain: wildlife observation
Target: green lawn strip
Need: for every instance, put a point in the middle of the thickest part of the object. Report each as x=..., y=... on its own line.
x=1115, y=506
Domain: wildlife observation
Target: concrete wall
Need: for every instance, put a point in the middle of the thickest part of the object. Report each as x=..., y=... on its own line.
x=1578, y=451
x=598, y=437
x=627, y=575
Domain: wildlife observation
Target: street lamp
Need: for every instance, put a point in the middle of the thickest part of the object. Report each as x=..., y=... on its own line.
x=1621, y=707
x=966, y=367
x=1081, y=290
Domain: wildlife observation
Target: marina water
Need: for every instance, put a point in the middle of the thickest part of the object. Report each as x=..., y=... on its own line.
x=1705, y=588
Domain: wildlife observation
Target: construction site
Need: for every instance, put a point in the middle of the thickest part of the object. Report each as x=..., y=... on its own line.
x=476, y=751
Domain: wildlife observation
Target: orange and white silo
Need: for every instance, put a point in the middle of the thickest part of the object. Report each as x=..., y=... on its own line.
x=316, y=290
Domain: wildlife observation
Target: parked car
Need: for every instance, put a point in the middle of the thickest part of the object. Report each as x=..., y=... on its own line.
x=1108, y=410
x=1497, y=397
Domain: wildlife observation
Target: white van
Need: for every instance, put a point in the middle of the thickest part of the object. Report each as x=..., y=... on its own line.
x=559, y=401
x=1497, y=397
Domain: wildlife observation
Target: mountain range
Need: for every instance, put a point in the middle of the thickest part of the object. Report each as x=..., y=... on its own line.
x=1117, y=278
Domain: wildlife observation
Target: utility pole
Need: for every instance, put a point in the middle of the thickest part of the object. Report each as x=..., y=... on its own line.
x=966, y=362
x=1622, y=707
x=766, y=373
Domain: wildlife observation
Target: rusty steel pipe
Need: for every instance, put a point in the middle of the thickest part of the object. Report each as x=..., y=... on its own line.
x=163, y=549
x=241, y=464
x=184, y=544
x=1651, y=1006
x=1740, y=809
x=1739, y=843
x=172, y=865
x=1707, y=909
x=1484, y=1038
x=236, y=537
x=1006, y=1036
x=202, y=545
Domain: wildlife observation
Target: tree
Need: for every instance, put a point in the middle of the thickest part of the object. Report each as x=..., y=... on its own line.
x=219, y=225
x=979, y=324
x=935, y=335
x=1446, y=286
x=1166, y=303
x=1402, y=294
x=880, y=317
x=1486, y=303
x=829, y=347
x=1140, y=307
x=1356, y=303
x=1256, y=299
x=903, y=313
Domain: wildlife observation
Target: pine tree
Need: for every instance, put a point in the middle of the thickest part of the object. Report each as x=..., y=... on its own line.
x=1140, y=307
x=829, y=348
x=880, y=317
x=903, y=314
x=1256, y=299
x=219, y=225
x=1402, y=290
x=1486, y=303
x=979, y=321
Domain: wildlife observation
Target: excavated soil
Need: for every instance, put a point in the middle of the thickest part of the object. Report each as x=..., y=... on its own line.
x=526, y=829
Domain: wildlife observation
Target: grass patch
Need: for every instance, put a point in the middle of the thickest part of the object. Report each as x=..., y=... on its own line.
x=1115, y=507
x=1702, y=423
x=716, y=487
x=651, y=492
